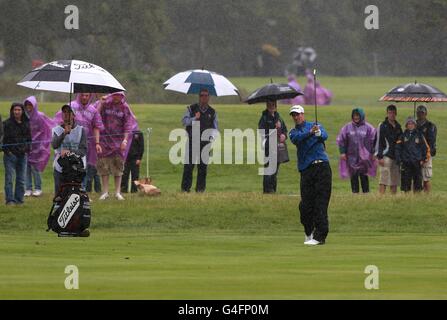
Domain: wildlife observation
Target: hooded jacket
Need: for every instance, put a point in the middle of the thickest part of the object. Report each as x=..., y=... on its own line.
x=357, y=141
x=412, y=147
x=118, y=119
x=324, y=96
x=41, y=127
x=17, y=136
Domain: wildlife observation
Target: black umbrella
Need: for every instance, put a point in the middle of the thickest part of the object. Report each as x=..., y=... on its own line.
x=272, y=92
x=415, y=92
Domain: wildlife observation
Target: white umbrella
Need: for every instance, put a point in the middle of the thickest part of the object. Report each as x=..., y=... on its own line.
x=71, y=76
x=192, y=81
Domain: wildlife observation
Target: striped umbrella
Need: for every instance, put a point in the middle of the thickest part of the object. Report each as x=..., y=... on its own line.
x=71, y=76
x=192, y=81
x=415, y=92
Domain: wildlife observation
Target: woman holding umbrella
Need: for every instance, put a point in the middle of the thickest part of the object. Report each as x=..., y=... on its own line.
x=271, y=120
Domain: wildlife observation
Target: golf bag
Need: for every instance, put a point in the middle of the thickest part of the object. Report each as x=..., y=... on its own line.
x=70, y=214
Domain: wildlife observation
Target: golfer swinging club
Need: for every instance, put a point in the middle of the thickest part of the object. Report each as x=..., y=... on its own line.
x=316, y=176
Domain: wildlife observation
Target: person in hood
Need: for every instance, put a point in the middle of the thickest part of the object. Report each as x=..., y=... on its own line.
x=16, y=145
x=41, y=127
x=412, y=152
x=356, y=142
x=115, y=140
x=388, y=134
x=271, y=120
x=89, y=118
x=69, y=137
x=324, y=96
x=299, y=100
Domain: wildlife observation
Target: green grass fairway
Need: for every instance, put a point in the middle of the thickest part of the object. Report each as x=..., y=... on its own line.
x=233, y=242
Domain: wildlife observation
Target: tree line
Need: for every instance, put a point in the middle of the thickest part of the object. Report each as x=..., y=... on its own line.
x=229, y=36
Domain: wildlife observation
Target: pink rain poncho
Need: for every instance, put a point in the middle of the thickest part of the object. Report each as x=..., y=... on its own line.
x=324, y=96
x=299, y=100
x=41, y=134
x=89, y=118
x=118, y=119
x=357, y=142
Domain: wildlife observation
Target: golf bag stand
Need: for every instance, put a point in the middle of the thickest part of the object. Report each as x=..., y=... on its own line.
x=70, y=214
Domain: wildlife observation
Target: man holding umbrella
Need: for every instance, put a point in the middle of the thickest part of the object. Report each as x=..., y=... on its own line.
x=430, y=132
x=204, y=115
x=204, y=83
x=316, y=176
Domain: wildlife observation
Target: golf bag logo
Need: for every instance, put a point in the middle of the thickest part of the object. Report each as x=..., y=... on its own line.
x=69, y=209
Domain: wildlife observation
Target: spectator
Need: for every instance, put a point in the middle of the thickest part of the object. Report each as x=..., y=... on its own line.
x=411, y=154
x=133, y=163
x=67, y=137
x=89, y=118
x=16, y=145
x=201, y=113
x=356, y=142
x=1, y=131
x=116, y=138
x=388, y=132
x=430, y=133
x=41, y=132
x=271, y=120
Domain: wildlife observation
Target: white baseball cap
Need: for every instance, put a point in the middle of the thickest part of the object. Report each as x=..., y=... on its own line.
x=297, y=109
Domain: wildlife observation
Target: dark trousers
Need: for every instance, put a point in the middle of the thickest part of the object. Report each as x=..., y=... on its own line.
x=57, y=181
x=316, y=189
x=188, y=169
x=201, y=177
x=270, y=182
x=364, y=181
x=90, y=178
x=130, y=169
x=411, y=174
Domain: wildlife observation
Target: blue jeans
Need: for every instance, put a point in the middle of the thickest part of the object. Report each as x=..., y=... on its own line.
x=14, y=166
x=33, y=174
